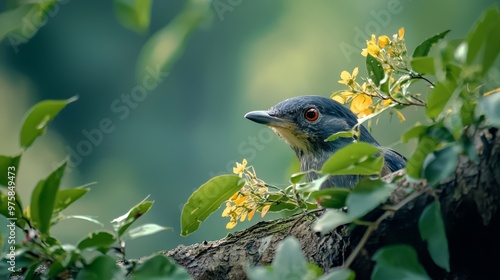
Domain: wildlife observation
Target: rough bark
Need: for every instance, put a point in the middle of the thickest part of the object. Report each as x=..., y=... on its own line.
x=470, y=203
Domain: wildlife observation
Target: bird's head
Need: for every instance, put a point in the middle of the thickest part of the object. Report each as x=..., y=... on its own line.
x=305, y=122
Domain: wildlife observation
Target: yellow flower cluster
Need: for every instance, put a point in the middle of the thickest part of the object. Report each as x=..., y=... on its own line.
x=249, y=199
x=377, y=48
x=392, y=56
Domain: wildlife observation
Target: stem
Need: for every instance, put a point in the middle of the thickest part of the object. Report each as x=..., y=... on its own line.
x=375, y=225
x=414, y=75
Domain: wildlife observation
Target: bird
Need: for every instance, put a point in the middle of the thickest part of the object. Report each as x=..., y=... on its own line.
x=304, y=122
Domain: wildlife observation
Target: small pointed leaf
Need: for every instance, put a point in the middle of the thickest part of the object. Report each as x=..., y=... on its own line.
x=207, y=199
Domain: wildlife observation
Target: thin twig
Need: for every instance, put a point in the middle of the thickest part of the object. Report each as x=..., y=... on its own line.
x=375, y=225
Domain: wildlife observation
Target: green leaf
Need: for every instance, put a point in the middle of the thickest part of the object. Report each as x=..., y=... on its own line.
x=423, y=65
x=160, y=267
x=438, y=98
x=492, y=45
x=339, y=274
x=65, y=198
x=9, y=164
x=331, y=197
x=357, y=158
x=312, y=186
x=91, y=219
x=467, y=111
x=367, y=195
x=491, y=107
x=122, y=223
x=415, y=132
x=97, y=239
x=289, y=263
x=441, y=164
x=14, y=23
x=477, y=37
x=332, y=219
x=424, y=48
x=289, y=260
x=145, y=230
x=134, y=14
x=297, y=177
x=438, y=131
x=375, y=70
x=13, y=211
x=398, y=262
x=432, y=230
x=102, y=267
x=36, y=120
x=163, y=49
x=414, y=165
x=340, y=134
x=207, y=199
x=43, y=199
x=281, y=203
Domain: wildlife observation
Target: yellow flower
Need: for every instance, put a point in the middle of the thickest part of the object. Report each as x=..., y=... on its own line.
x=342, y=98
x=264, y=210
x=347, y=78
x=228, y=209
x=243, y=216
x=383, y=41
x=232, y=223
x=401, y=33
x=400, y=116
x=240, y=168
x=386, y=102
x=250, y=215
x=361, y=105
x=373, y=50
x=371, y=47
x=240, y=200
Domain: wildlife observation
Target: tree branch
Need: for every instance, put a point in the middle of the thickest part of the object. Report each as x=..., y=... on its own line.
x=470, y=201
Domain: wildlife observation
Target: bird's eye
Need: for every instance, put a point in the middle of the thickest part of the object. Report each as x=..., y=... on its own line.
x=311, y=114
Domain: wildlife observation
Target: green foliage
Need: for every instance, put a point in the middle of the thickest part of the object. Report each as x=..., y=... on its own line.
x=17, y=19
x=36, y=120
x=206, y=200
x=366, y=196
x=432, y=230
x=102, y=267
x=397, y=262
x=167, y=44
x=438, y=98
x=459, y=68
x=5, y=163
x=331, y=197
x=160, y=267
x=358, y=158
x=441, y=164
x=425, y=47
x=97, y=240
x=48, y=202
x=290, y=263
x=340, y=134
x=122, y=223
x=332, y=219
x=134, y=14
x=43, y=199
x=375, y=70
x=491, y=107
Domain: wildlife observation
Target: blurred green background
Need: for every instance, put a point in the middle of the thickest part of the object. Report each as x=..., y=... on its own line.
x=251, y=55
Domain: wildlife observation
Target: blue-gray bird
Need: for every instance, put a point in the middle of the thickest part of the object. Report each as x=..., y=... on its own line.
x=305, y=122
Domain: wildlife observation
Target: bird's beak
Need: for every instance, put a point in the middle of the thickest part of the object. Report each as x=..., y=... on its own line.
x=263, y=117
